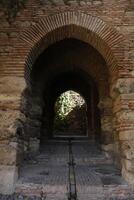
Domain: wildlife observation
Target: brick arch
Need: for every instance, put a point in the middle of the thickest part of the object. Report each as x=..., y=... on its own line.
x=85, y=27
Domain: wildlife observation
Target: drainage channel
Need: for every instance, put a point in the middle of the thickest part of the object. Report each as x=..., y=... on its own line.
x=72, y=192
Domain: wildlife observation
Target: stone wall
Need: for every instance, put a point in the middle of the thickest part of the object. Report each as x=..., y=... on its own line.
x=11, y=119
x=108, y=27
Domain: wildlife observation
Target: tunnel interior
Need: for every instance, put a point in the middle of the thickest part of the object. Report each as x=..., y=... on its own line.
x=68, y=81
x=69, y=64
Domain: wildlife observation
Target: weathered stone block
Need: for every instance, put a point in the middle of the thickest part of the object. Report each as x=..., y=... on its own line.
x=106, y=124
x=8, y=155
x=125, y=115
x=9, y=101
x=128, y=165
x=126, y=135
x=12, y=85
x=11, y=152
x=122, y=86
x=127, y=149
x=97, y=3
x=83, y=3
x=9, y=122
x=8, y=177
x=128, y=176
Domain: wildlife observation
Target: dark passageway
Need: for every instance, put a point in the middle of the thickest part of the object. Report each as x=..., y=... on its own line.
x=74, y=81
x=62, y=165
x=65, y=66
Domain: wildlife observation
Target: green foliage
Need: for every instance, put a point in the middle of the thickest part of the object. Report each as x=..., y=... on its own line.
x=66, y=103
x=12, y=7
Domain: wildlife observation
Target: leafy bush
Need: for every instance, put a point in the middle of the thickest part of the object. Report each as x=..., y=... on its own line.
x=65, y=104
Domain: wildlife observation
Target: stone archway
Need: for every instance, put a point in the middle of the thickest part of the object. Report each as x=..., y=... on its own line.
x=110, y=44
x=77, y=25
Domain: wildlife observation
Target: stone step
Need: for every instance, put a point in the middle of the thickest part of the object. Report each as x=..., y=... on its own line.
x=38, y=192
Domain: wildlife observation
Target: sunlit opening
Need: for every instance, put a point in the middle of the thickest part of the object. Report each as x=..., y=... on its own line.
x=70, y=115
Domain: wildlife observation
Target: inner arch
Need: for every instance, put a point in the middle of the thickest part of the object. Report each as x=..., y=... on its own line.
x=69, y=64
x=70, y=115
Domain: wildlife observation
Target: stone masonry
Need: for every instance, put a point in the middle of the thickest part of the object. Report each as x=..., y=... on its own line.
x=106, y=26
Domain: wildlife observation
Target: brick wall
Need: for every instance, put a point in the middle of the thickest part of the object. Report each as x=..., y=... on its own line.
x=106, y=25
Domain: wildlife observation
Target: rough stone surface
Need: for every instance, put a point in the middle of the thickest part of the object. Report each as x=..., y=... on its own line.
x=12, y=85
x=129, y=176
x=8, y=155
x=126, y=135
x=128, y=149
x=107, y=27
x=8, y=177
x=9, y=122
x=46, y=174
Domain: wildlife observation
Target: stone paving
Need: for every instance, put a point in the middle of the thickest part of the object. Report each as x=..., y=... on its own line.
x=45, y=176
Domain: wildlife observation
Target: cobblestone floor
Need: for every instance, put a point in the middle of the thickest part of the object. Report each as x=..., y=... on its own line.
x=46, y=175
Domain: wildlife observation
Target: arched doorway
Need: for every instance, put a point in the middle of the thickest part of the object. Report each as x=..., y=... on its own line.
x=76, y=65
x=58, y=69
x=91, y=54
